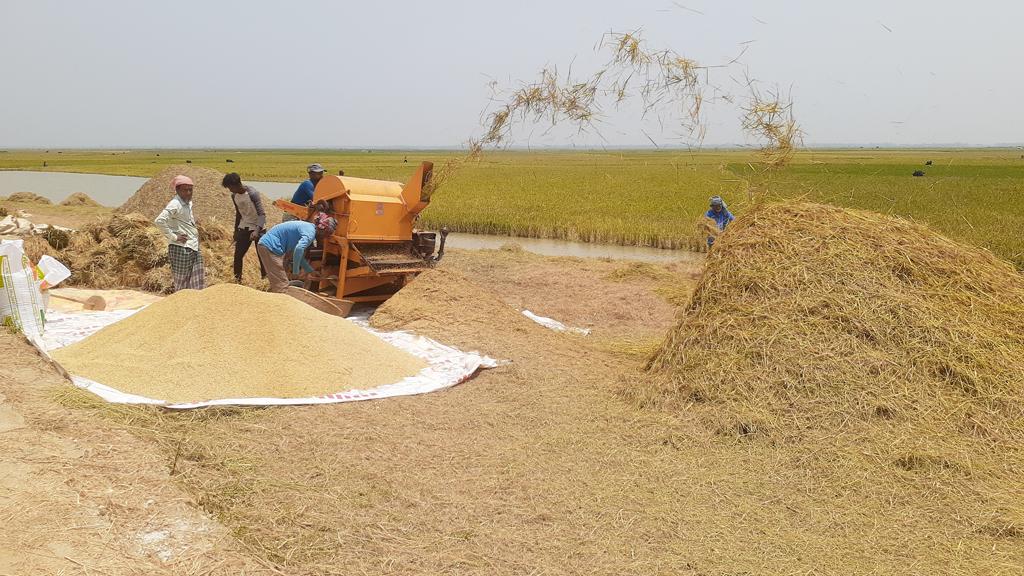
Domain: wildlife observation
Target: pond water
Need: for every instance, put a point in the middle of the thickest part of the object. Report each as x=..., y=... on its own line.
x=103, y=188
x=56, y=186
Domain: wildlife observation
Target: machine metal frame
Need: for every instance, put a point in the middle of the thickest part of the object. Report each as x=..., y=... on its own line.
x=375, y=250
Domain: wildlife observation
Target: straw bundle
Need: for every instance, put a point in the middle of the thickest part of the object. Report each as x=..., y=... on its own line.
x=811, y=317
x=127, y=251
x=28, y=198
x=79, y=199
x=35, y=246
x=703, y=229
x=116, y=253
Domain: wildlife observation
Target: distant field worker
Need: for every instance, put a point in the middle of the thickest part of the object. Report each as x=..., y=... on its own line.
x=720, y=214
x=178, y=225
x=250, y=219
x=304, y=193
x=291, y=238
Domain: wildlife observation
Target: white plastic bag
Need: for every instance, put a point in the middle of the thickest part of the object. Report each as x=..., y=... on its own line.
x=53, y=271
x=21, y=302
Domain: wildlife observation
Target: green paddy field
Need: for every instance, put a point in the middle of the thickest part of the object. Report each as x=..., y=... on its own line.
x=648, y=198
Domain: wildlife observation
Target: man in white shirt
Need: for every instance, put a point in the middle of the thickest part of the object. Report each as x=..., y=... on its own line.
x=250, y=219
x=178, y=225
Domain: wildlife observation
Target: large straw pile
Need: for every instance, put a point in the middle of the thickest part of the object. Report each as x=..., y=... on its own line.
x=210, y=200
x=813, y=318
x=202, y=345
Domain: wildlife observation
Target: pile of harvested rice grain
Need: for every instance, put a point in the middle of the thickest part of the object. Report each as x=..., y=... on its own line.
x=203, y=345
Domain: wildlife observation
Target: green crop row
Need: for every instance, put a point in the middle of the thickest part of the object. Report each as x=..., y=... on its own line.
x=647, y=198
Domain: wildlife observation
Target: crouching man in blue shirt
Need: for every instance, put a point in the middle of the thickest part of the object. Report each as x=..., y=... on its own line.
x=720, y=214
x=293, y=238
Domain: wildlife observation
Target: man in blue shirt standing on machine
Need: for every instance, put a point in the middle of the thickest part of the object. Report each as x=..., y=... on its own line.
x=293, y=238
x=304, y=193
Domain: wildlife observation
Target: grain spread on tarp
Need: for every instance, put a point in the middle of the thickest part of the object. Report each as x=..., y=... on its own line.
x=229, y=341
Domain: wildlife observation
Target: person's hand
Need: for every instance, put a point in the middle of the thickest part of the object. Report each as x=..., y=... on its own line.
x=255, y=235
x=182, y=238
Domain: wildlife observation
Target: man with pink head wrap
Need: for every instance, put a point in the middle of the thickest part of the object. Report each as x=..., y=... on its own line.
x=178, y=225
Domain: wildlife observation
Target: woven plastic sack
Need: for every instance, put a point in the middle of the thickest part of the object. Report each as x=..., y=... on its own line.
x=21, y=301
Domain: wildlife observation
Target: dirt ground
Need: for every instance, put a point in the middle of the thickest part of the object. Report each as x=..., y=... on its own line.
x=613, y=298
x=537, y=467
x=78, y=497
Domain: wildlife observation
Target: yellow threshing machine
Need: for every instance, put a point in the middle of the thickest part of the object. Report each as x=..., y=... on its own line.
x=376, y=249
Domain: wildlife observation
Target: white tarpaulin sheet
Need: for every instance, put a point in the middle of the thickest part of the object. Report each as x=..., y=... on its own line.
x=447, y=366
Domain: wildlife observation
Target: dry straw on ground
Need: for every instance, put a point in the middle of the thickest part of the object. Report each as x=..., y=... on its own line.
x=886, y=353
x=203, y=345
x=538, y=467
x=118, y=253
x=810, y=316
x=28, y=197
x=446, y=305
x=79, y=199
x=127, y=251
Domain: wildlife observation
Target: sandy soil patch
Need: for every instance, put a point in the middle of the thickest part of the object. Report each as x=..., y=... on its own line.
x=78, y=496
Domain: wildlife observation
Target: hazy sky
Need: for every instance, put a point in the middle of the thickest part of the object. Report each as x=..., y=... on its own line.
x=260, y=73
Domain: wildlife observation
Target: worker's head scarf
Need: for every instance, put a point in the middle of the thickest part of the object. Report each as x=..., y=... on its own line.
x=180, y=180
x=717, y=201
x=325, y=223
